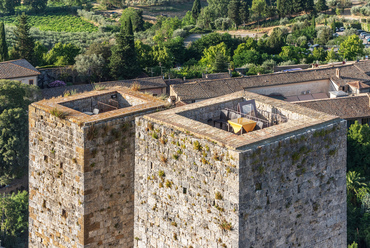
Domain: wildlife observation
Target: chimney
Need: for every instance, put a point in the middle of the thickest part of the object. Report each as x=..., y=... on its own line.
x=184, y=78
x=203, y=75
x=206, y=75
x=337, y=72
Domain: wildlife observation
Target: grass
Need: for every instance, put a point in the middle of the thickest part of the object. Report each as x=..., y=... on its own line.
x=58, y=113
x=135, y=86
x=60, y=22
x=226, y=226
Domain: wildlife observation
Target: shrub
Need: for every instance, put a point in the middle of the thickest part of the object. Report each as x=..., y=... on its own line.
x=58, y=113
x=135, y=86
x=284, y=21
x=218, y=196
x=226, y=226
x=180, y=33
x=57, y=83
x=223, y=23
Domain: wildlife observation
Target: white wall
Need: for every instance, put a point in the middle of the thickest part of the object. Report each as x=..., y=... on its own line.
x=26, y=80
x=321, y=86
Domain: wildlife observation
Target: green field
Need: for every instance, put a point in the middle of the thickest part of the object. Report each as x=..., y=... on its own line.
x=56, y=22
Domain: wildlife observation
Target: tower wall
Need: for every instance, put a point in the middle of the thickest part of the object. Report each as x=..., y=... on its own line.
x=55, y=181
x=293, y=190
x=82, y=171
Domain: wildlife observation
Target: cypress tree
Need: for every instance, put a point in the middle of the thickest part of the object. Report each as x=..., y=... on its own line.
x=195, y=11
x=308, y=5
x=244, y=11
x=233, y=11
x=297, y=6
x=24, y=42
x=3, y=45
x=321, y=5
x=313, y=23
x=123, y=62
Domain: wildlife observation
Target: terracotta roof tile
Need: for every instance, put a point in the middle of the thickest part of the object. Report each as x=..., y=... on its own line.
x=17, y=69
x=145, y=83
x=348, y=73
x=358, y=85
x=344, y=107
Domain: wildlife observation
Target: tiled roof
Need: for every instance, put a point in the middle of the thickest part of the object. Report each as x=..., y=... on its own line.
x=17, y=69
x=363, y=66
x=190, y=91
x=212, y=76
x=348, y=73
x=344, y=107
x=145, y=83
x=358, y=85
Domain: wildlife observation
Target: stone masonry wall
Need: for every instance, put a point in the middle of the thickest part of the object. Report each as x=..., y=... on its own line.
x=82, y=181
x=55, y=181
x=293, y=190
x=186, y=190
x=288, y=191
x=108, y=186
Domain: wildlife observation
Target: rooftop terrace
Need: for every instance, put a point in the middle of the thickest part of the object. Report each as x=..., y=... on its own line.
x=194, y=119
x=117, y=101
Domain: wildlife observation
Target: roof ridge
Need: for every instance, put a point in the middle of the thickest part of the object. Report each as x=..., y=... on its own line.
x=27, y=68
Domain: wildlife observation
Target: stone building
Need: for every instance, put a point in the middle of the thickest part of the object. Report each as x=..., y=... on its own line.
x=200, y=186
x=81, y=172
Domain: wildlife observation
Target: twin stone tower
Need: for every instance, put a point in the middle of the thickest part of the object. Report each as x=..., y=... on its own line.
x=137, y=175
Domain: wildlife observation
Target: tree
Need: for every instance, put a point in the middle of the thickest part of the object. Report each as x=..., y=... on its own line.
x=233, y=12
x=162, y=56
x=39, y=54
x=354, y=184
x=247, y=57
x=24, y=42
x=209, y=54
x=38, y=5
x=319, y=54
x=332, y=56
x=276, y=40
x=351, y=47
x=62, y=54
x=3, y=45
x=8, y=6
x=90, y=66
x=244, y=12
x=144, y=54
x=321, y=5
x=195, y=11
x=123, y=62
x=221, y=63
x=14, y=100
x=308, y=5
x=358, y=143
x=258, y=8
x=136, y=17
x=14, y=212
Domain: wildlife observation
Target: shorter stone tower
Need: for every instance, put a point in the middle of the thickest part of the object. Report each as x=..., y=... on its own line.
x=81, y=172
x=200, y=186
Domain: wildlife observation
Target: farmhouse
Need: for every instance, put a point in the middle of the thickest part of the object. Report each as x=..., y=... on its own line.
x=19, y=70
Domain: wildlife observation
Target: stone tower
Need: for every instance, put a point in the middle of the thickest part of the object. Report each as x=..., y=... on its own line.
x=81, y=172
x=200, y=186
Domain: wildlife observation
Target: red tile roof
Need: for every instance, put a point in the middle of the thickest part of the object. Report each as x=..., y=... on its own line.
x=17, y=69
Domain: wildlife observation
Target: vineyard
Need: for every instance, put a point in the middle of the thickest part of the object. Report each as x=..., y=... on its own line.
x=61, y=22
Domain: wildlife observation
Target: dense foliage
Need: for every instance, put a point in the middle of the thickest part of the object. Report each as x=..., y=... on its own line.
x=14, y=221
x=14, y=100
x=358, y=185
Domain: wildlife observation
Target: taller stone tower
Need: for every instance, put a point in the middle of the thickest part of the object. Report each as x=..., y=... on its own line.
x=81, y=171
x=281, y=186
